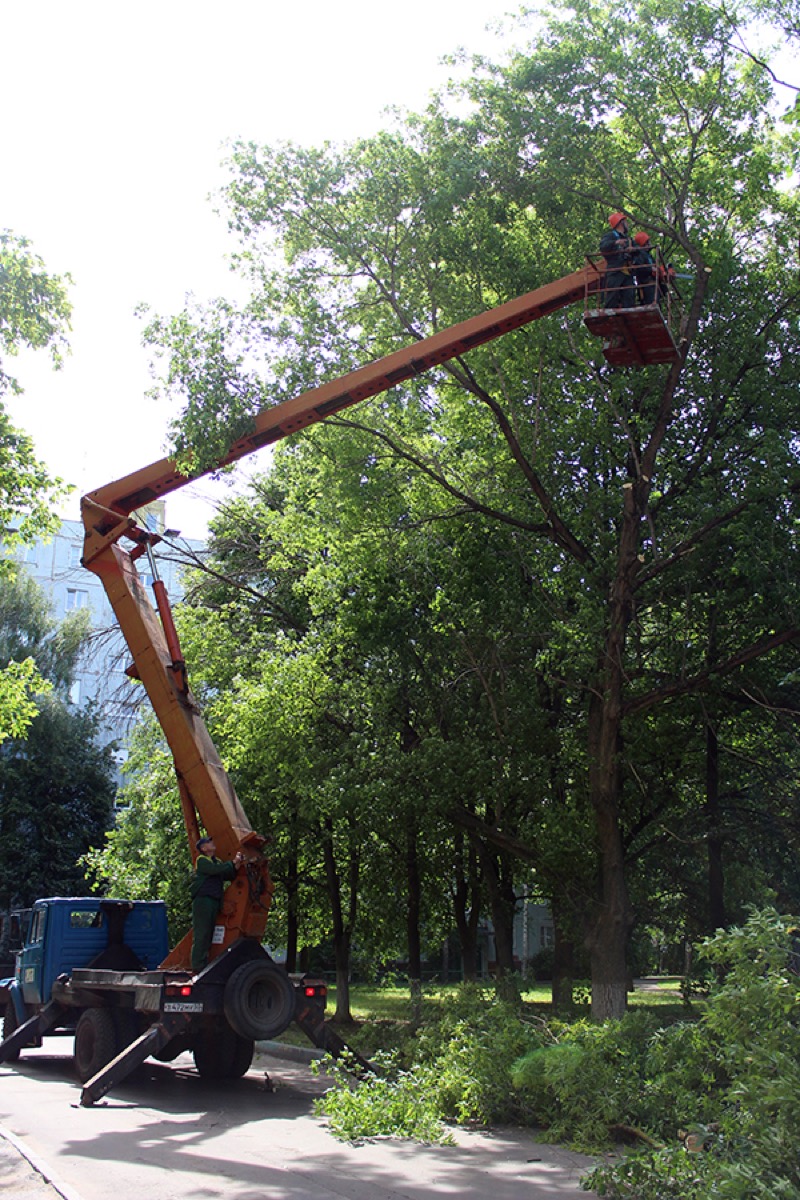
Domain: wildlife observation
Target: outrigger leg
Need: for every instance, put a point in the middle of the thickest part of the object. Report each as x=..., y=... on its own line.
x=150, y=1042
x=32, y=1030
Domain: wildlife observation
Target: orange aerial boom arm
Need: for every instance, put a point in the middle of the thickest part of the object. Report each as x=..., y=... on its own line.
x=207, y=795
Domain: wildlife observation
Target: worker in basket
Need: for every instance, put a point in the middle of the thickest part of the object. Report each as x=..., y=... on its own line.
x=617, y=248
x=652, y=278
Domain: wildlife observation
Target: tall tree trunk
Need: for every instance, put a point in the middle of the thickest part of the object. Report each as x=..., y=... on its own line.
x=502, y=903
x=612, y=918
x=716, y=878
x=611, y=922
x=413, y=909
x=292, y=886
x=563, y=964
x=467, y=905
x=342, y=924
x=716, y=874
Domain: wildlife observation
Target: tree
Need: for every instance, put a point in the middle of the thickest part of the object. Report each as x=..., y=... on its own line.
x=636, y=499
x=56, y=781
x=136, y=856
x=34, y=313
x=56, y=797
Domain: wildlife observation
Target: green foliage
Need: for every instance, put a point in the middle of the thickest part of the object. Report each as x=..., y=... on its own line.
x=746, y=1106
x=56, y=782
x=37, y=653
x=34, y=305
x=461, y=1072
x=56, y=796
x=595, y=1079
x=391, y=1103
x=20, y=686
x=716, y=1097
x=29, y=629
x=141, y=856
x=520, y=594
x=34, y=312
x=471, y=1046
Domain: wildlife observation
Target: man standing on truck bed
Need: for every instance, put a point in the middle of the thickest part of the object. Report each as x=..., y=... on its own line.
x=206, y=889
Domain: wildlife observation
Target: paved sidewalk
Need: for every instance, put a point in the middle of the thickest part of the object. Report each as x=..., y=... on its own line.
x=24, y=1177
x=172, y=1135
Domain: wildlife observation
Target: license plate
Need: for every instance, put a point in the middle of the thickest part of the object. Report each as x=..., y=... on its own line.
x=183, y=1006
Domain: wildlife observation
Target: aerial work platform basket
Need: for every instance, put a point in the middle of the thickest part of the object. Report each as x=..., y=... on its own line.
x=634, y=336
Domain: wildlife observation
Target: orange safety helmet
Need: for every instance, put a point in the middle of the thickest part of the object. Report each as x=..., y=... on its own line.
x=615, y=219
x=641, y=238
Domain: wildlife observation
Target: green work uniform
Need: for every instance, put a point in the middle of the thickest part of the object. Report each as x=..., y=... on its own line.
x=206, y=889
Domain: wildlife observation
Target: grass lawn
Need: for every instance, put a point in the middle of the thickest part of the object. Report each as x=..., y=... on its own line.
x=382, y=1014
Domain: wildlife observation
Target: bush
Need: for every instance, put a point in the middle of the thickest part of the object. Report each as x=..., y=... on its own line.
x=591, y=1080
x=472, y=1047
x=461, y=1073
x=392, y=1103
x=743, y=1069
x=725, y=1084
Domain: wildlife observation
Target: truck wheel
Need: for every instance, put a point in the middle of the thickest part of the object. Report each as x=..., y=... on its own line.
x=95, y=1042
x=220, y=1053
x=126, y=1028
x=10, y=1023
x=174, y=1047
x=259, y=1000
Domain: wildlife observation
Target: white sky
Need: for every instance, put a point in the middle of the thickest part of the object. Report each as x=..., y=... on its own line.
x=114, y=119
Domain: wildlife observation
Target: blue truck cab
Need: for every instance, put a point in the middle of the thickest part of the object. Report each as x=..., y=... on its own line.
x=71, y=932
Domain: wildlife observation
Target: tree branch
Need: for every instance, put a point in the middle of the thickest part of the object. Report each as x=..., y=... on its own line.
x=696, y=682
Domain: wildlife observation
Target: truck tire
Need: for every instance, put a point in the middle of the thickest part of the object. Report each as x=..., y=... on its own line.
x=10, y=1023
x=126, y=1027
x=220, y=1053
x=259, y=1000
x=95, y=1042
x=174, y=1047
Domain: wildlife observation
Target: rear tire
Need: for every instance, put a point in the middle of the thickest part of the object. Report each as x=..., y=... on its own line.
x=10, y=1023
x=259, y=1000
x=220, y=1053
x=126, y=1027
x=95, y=1042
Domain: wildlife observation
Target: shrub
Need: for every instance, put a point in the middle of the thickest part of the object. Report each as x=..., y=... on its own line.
x=752, y=1025
x=729, y=1078
x=462, y=1073
x=590, y=1080
x=391, y=1103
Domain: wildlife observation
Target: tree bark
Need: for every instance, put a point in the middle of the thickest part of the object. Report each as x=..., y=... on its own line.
x=413, y=908
x=612, y=919
x=342, y=925
x=716, y=873
x=497, y=875
x=467, y=906
x=563, y=966
x=292, y=884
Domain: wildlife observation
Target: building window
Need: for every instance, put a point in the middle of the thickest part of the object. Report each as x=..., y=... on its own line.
x=75, y=550
x=76, y=598
x=546, y=936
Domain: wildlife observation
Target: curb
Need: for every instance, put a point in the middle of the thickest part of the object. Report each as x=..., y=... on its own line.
x=292, y=1053
x=63, y=1189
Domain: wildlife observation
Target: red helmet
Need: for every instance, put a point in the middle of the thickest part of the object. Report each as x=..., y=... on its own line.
x=615, y=219
x=642, y=238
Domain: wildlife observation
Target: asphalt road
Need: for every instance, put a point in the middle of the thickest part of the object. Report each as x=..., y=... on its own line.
x=170, y=1135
